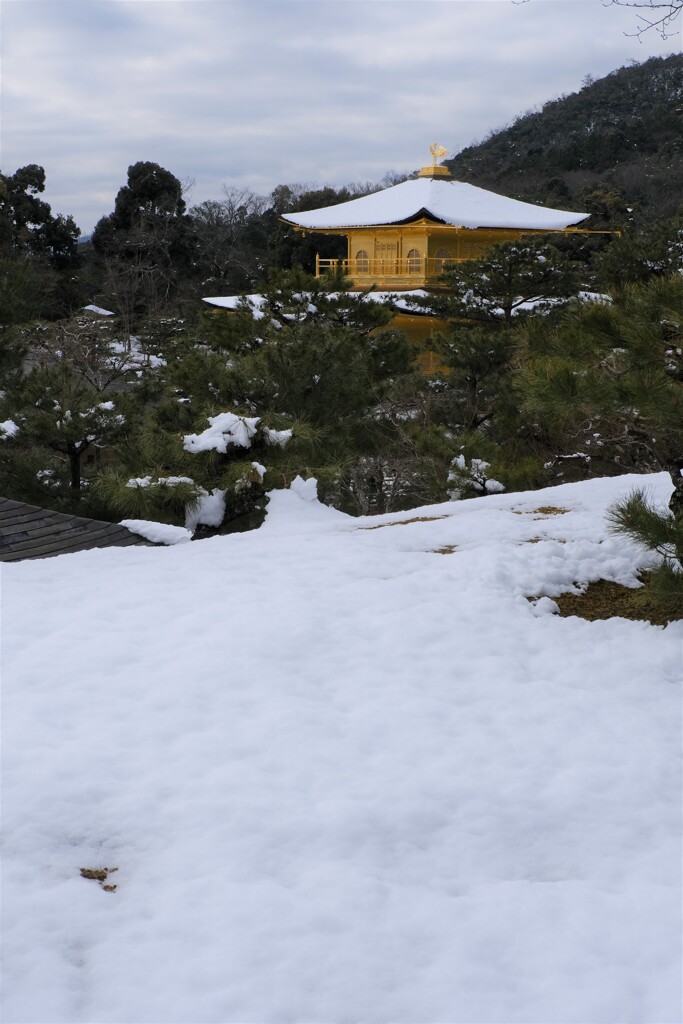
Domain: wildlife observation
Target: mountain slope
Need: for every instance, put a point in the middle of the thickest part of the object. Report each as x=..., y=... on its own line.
x=625, y=130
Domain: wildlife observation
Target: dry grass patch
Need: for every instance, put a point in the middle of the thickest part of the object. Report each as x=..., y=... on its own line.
x=606, y=600
x=448, y=549
x=537, y=540
x=544, y=510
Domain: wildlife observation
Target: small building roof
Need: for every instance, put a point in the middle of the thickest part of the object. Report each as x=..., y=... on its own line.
x=27, y=531
x=257, y=302
x=98, y=310
x=450, y=202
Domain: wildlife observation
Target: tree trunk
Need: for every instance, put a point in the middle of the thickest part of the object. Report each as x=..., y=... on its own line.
x=675, y=468
x=75, y=471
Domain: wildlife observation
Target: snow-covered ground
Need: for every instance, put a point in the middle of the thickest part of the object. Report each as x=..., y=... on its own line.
x=347, y=772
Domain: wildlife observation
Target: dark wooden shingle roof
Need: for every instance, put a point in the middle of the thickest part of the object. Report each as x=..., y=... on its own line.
x=27, y=531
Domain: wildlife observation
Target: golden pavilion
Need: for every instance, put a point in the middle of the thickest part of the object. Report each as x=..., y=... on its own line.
x=402, y=237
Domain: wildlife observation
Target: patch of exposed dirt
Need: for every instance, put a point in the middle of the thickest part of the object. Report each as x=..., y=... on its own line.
x=537, y=540
x=544, y=510
x=100, y=875
x=606, y=600
x=448, y=549
x=404, y=522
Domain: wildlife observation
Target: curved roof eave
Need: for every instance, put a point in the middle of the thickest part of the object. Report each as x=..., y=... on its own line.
x=453, y=203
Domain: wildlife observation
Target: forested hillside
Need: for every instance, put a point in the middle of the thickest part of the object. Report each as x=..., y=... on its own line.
x=624, y=131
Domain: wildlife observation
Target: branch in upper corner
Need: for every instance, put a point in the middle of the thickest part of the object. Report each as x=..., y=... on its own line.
x=664, y=15
x=662, y=19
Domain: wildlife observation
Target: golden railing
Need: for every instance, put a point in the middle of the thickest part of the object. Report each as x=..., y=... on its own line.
x=419, y=269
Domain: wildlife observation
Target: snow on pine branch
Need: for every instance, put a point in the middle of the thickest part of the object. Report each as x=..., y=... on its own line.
x=228, y=429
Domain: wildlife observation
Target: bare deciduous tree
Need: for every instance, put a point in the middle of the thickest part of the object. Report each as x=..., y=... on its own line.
x=660, y=15
x=222, y=228
x=654, y=14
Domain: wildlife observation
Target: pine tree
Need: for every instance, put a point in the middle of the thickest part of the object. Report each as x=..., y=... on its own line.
x=311, y=356
x=635, y=257
x=512, y=281
x=146, y=245
x=67, y=404
x=482, y=303
x=207, y=477
x=40, y=258
x=607, y=386
x=662, y=532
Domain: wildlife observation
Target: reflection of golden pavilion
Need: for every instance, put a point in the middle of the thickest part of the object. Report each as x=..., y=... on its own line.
x=403, y=237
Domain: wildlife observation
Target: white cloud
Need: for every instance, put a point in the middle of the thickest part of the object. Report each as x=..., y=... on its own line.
x=261, y=93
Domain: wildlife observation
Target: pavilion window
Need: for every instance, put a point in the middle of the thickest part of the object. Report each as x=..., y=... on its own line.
x=362, y=262
x=414, y=262
x=441, y=258
x=471, y=249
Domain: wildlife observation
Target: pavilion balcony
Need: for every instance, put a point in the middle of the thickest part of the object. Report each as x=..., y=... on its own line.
x=387, y=273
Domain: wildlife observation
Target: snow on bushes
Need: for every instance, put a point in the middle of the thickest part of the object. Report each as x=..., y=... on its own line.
x=227, y=428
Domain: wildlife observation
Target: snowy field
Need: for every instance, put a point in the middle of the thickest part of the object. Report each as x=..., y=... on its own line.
x=347, y=774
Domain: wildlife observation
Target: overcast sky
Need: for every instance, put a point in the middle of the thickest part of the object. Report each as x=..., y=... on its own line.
x=257, y=93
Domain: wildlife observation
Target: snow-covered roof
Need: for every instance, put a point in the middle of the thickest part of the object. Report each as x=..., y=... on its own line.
x=233, y=301
x=30, y=532
x=452, y=202
x=258, y=301
x=99, y=310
